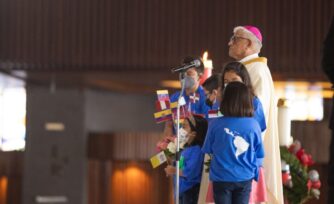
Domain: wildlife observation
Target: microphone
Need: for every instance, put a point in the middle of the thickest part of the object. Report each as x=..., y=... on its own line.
x=194, y=63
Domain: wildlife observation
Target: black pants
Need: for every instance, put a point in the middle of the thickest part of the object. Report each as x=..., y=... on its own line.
x=232, y=192
x=190, y=196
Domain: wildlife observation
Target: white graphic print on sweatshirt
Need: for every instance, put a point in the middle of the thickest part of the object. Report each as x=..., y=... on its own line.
x=240, y=143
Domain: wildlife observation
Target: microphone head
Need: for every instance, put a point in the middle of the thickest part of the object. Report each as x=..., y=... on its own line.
x=197, y=63
x=194, y=63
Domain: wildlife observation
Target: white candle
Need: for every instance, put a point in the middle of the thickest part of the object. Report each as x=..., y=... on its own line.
x=284, y=123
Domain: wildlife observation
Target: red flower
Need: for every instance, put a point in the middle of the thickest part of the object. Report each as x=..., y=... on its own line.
x=309, y=184
x=162, y=144
x=295, y=147
x=286, y=177
x=316, y=184
x=305, y=159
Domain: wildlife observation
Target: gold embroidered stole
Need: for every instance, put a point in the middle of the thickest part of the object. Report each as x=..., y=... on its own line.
x=258, y=59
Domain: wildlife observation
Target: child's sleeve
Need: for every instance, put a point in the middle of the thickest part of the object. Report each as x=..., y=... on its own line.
x=207, y=146
x=193, y=164
x=259, y=114
x=259, y=149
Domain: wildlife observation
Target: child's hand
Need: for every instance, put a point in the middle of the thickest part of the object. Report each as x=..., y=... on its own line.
x=170, y=170
x=169, y=160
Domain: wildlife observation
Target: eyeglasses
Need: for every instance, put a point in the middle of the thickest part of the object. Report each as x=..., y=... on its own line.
x=234, y=38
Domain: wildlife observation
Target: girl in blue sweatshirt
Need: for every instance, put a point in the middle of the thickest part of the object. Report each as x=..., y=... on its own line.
x=191, y=160
x=235, y=143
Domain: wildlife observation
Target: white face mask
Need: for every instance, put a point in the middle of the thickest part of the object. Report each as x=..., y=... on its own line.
x=183, y=135
x=189, y=82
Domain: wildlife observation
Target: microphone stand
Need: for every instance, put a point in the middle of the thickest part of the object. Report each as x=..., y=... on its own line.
x=177, y=155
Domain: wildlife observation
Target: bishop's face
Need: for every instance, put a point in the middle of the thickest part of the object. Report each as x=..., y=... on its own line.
x=238, y=45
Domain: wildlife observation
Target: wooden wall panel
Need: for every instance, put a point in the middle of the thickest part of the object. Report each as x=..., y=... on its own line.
x=154, y=35
x=11, y=168
x=118, y=182
x=122, y=146
x=119, y=170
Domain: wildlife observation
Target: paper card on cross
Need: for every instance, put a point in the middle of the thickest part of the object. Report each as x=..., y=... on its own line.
x=158, y=159
x=163, y=95
x=163, y=116
x=162, y=105
x=182, y=101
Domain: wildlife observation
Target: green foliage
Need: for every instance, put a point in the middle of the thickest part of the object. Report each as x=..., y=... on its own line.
x=168, y=153
x=298, y=193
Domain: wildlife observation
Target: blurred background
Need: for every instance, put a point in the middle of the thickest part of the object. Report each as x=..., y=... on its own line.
x=78, y=81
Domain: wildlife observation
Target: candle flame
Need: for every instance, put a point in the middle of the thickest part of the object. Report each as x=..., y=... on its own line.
x=207, y=62
x=205, y=55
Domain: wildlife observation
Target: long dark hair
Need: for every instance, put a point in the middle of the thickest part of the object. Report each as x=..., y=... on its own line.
x=200, y=126
x=240, y=70
x=237, y=100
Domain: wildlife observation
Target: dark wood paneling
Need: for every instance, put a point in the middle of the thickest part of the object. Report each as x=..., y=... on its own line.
x=11, y=168
x=117, y=182
x=122, y=146
x=119, y=170
x=154, y=35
